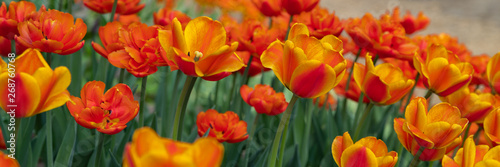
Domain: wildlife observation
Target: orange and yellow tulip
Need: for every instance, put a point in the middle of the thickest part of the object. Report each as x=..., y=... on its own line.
x=124, y=7
x=7, y=161
x=53, y=31
x=305, y=65
x=383, y=84
x=254, y=37
x=320, y=22
x=449, y=42
x=491, y=128
x=264, y=99
x=409, y=22
x=442, y=71
x=368, y=151
x=165, y=16
x=268, y=7
x=18, y=12
x=109, y=112
x=473, y=106
x=493, y=73
x=473, y=155
x=200, y=49
x=326, y=99
x=294, y=7
x=225, y=127
x=38, y=86
x=149, y=149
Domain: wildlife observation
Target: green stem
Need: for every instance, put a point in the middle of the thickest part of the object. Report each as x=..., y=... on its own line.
x=122, y=75
x=217, y=84
x=283, y=124
x=428, y=94
x=362, y=121
x=466, y=134
x=231, y=93
x=141, y=102
x=344, y=103
x=113, y=11
x=13, y=46
x=244, y=80
x=289, y=27
x=49, y=58
x=416, y=158
x=181, y=107
x=98, y=148
x=50, y=156
x=417, y=77
x=375, y=59
x=249, y=141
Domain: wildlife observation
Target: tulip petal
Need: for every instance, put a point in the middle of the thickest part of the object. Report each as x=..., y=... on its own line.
x=30, y=61
x=204, y=35
x=340, y=143
x=26, y=88
x=312, y=79
x=442, y=133
x=223, y=60
x=491, y=125
x=272, y=58
x=298, y=29
x=358, y=156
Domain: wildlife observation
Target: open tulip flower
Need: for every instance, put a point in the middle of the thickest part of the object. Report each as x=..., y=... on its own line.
x=320, y=22
x=368, y=151
x=52, y=31
x=109, y=38
x=383, y=84
x=442, y=72
x=108, y=113
x=124, y=7
x=38, y=88
x=149, y=149
x=18, y=12
x=200, y=49
x=264, y=99
x=473, y=106
x=305, y=65
x=225, y=127
x=491, y=127
x=473, y=155
x=493, y=73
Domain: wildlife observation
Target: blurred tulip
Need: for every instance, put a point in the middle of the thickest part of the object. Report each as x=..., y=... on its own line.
x=149, y=149
x=473, y=106
x=109, y=112
x=305, y=65
x=38, y=88
x=5, y=46
x=493, y=73
x=491, y=127
x=165, y=17
x=53, y=31
x=127, y=19
x=384, y=84
x=354, y=91
x=473, y=155
x=441, y=70
x=18, y=12
x=479, y=63
x=320, y=22
x=2, y=141
x=450, y=43
x=225, y=127
x=254, y=37
x=294, y=7
x=200, y=50
x=368, y=152
x=268, y=7
x=264, y=99
x=409, y=22
x=255, y=66
x=123, y=7
x=7, y=161
x=326, y=99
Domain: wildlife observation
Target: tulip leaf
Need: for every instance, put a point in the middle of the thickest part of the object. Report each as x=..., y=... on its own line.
x=24, y=139
x=65, y=153
x=3, y=126
x=39, y=143
x=114, y=161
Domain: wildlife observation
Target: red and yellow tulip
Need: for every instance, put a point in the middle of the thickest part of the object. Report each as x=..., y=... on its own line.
x=473, y=155
x=165, y=16
x=225, y=127
x=409, y=22
x=264, y=99
x=38, y=88
x=18, y=12
x=268, y=7
x=493, y=73
x=124, y=7
x=491, y=128
x=442, y=71
x=383, y=84
x=200, y=49
x=149, y=149
x=109, y=112
x=473, y=106
x=294, y=7
x=368, y=151
x=305, y=65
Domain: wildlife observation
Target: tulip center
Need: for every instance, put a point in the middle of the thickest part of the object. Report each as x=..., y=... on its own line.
x=197, y=55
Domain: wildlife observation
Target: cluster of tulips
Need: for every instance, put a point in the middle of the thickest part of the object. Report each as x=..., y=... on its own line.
x=310, y=51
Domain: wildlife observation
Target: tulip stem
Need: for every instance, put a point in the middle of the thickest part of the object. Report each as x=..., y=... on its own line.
x=428, y=94
x=417, y=77
x=416, y=158
x=362, y=121
x=244, y=81
x=13, y=46
x=48, y=121
x=122, y=75
x=113, y=11
x=141, y=102
x=282, y=126
x=344, y=103
x=466, y=134
x=289, y=27
x=98, y=148
x=181, y=107
x=249, y=141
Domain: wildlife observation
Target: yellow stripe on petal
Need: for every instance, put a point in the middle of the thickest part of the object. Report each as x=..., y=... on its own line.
x=29, y=61
x=178, y=39
x=272, y=58
x=312, y=79
x=204, y=35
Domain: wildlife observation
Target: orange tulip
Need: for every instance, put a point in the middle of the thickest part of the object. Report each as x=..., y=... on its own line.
x=327, y=99
x=7, y=161
x=320, y=22
x=442, y=71
x=493, y=73
x=479, y=62
x=264, y=99
x=473, y=106
x=473, y=155
x=224, y=127
x=109, y=112
x=127, y=19
x=109, y=38
x=18, y=12
x=149, y=149
x=254, y=37
x=38, y=88
x=450, y=43
x=294, y=7
x=384, y=84
x=491, y=127
x=268, y=7
x=200, y=50
x=53, y=31
x=368, y=152
x=305, y=65
x=165, y=16
x=409, y=22
x=124, y=7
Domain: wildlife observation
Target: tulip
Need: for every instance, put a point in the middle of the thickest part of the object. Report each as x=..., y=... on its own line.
x=165, y=17
x=305, y=65
x=320, y=22
x=7, y=161
x=127, y=19
x=268, y=7
x=473, y=106
x=109, y=38
x=449, y=42
x=264, y=99
x=124, y=7
x=5, y=46
x=255, y=66
x=254, y=37
x=326, y=99
x=384, y=84
x=294, y=7
x=442, y=72
x=200, y=50
x=491, y=127
x=53, y=31
x=18, y=12
x=149, y=149
x=109, y=112
x=473, y=155
x=38, y=86
x=493, y=73
x=354, y=91
x=225, y=127
x=409, y=22
x=367, y=151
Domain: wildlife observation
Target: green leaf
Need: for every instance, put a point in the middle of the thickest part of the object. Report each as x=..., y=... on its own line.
x=24, y=139
x=65, y=153
x=39, y=143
